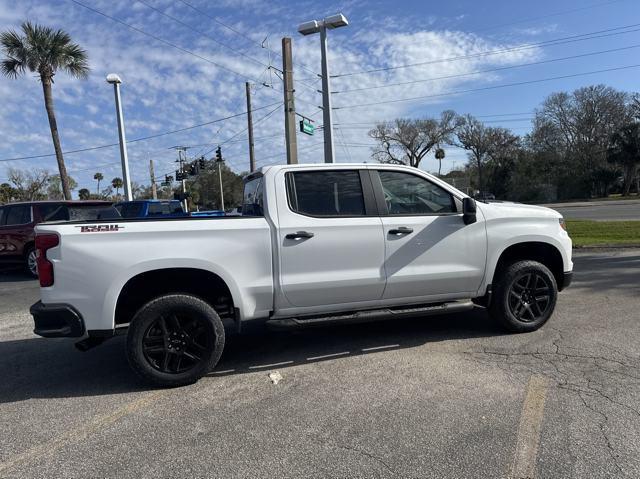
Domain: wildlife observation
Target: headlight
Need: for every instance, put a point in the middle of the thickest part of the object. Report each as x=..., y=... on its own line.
x=562, y=224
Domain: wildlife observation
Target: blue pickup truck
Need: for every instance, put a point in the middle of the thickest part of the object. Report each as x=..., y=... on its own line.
x=150, y=208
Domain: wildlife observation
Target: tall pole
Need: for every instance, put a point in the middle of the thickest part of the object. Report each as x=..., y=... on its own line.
x=220, y=179
x=252, y=158
x=123, y=144
x=154, y=189
x=289, y=105
x=327, y=123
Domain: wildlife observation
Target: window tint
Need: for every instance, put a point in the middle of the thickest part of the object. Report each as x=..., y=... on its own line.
x=2, y=216
x=407, y=194
x=54, y=213
x=158, y=209
x=84, y=213
x=131, y=210
x=18, y=215
x=326, y=193
x=252, y=202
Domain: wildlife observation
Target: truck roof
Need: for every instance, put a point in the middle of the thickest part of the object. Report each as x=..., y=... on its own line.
x=62, y=202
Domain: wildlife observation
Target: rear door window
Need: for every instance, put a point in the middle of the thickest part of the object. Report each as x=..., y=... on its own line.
x=53, y=212
x=18, y=215
x=326, y=193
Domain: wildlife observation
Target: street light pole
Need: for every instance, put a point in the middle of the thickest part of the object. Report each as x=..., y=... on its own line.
x=115, y=80
x=327, y=117
x=321, y=26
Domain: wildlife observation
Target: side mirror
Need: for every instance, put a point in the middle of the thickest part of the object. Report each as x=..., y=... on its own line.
x=468, y=210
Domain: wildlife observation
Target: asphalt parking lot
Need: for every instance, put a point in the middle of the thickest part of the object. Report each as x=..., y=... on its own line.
x=446, y=396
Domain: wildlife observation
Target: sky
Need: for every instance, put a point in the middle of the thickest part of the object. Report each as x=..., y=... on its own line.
x=185, y=63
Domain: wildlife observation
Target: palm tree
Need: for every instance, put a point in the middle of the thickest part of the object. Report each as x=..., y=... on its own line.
x=117, y=184
x=98, y=176
x=44, y=51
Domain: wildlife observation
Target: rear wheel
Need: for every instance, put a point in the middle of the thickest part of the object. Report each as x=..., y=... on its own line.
x=174, y=340
x=524, y=296
x=31, y=262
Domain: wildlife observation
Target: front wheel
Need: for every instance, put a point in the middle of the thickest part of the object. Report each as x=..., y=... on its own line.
x=524, y=296
x=174, y=340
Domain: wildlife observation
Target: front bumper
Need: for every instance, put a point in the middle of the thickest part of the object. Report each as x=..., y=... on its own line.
x=57, y=321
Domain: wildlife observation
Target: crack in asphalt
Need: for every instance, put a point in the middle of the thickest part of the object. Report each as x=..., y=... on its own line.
x=577, y=373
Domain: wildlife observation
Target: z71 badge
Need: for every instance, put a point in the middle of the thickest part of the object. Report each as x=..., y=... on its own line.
x=99, y=228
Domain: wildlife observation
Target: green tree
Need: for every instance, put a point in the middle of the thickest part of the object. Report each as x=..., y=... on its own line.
x=7, y=193
x=44, y=51
x=117, y=184
x=54, y=188
x=98, y=177
x=84, y=194
x=625, y=152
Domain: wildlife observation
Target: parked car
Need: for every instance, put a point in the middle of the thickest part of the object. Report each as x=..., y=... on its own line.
x=17, y=222
x=207, y=213
x=316, y=244
x=150, y=208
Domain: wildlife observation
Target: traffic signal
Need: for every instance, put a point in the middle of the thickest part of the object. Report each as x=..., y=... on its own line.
x=201, y=163
x=180, y=175
x=192, y=170
x=219, y=154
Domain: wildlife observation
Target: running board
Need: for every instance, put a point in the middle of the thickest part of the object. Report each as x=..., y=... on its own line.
x=372, y=315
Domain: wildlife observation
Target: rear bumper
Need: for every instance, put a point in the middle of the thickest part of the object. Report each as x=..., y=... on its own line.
x=566, y=280
x=57, y=321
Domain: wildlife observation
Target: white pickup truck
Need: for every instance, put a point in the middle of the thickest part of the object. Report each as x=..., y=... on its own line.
x=315, y=244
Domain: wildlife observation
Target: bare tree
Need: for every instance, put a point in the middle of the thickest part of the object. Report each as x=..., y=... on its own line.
x=577, y=127
x=407, y=141
x=29, y=185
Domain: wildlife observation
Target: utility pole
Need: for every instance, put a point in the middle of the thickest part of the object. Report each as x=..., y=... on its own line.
x=252, y=158
x=115, y=80
x=154, y=190
x=289, y=105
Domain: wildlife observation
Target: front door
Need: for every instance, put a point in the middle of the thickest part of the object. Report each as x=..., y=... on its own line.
x=331, y=246
x=430, y=252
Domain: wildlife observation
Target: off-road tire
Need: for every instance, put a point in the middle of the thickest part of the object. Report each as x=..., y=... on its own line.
x=178, y=326
x=520, y=305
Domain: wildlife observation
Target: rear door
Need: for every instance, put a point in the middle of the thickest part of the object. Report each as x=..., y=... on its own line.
x=16, y=230
x=331, y=247
x=430, y=252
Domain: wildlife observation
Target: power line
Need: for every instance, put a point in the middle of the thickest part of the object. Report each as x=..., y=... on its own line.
x=541, y=17
x=237, y=32
x=490, y=70
x=228, y=140
x=558, y=41
x=184, y=24
x=162, y=40
x=149, y=137
x=493, y=87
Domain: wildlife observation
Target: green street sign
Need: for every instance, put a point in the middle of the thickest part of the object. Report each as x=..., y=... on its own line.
x=307, y=127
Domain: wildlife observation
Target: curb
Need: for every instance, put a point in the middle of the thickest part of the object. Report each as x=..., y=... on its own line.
x=599, y=247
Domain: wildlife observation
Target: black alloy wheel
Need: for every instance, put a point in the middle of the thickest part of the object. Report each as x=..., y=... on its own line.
x=530, y=297
x=176, y=343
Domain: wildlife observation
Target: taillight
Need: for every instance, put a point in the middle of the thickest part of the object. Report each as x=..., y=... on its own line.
x=45, y=242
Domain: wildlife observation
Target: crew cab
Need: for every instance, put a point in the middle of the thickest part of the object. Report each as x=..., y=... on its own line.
x=315, y=244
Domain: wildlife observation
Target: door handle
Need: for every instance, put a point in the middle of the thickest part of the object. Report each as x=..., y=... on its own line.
x=402, y=230
x=299, y=235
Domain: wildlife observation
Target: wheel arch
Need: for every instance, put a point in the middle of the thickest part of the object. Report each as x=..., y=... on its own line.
x=150, y=284
x=543, y=252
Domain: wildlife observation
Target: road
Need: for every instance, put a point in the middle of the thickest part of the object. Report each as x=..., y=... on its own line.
x=600, y=210
x=445, y=397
